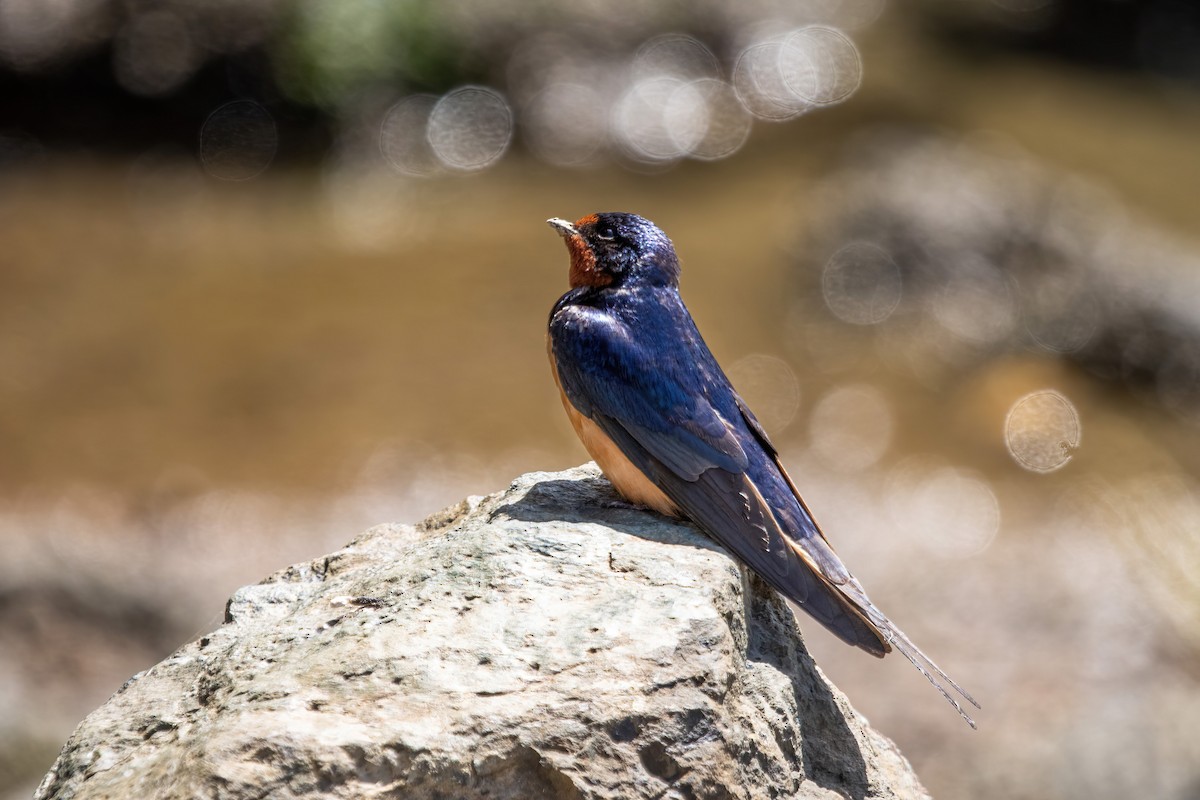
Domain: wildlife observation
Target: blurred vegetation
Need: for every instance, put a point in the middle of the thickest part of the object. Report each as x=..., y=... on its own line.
x=152, y=62
x=327, y=53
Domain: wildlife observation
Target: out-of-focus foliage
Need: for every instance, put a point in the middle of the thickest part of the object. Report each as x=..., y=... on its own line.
x=326, y=53
x=561, y=70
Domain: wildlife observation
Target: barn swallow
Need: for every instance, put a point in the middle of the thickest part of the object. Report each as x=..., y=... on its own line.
x=658, y=415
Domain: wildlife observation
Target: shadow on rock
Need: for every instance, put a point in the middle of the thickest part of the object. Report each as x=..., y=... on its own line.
x=831, y=754
x=593, y=500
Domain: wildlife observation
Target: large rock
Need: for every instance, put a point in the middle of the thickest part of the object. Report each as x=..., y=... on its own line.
x=547, y=641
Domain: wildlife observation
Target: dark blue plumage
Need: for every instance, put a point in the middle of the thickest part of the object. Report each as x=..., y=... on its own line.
x=657, y=413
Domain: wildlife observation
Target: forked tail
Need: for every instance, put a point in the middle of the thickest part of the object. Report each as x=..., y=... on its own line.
x=897, y=638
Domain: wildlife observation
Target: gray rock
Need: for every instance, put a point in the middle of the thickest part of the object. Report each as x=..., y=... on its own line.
x=981, y=251
x=546, y=641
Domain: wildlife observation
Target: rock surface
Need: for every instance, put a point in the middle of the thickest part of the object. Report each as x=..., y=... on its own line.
x=546, y=641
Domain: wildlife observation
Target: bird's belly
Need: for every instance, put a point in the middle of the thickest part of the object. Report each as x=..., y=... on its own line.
x=626, y=478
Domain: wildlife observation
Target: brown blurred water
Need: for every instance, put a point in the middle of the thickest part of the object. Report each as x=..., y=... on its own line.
x=201, y=382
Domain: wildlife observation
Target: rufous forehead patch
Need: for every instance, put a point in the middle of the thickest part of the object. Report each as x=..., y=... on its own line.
x=590, y=219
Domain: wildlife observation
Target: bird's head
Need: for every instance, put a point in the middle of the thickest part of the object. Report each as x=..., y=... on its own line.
x=617, y=249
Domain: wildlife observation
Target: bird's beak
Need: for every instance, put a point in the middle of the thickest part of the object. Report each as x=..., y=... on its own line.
x=563, y=227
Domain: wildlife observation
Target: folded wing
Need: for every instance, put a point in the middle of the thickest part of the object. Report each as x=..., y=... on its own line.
x=668, y=423
x=669, y=429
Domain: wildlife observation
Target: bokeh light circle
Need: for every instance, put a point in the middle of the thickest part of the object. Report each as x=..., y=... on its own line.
x=685, y=117
x=726, y=123
x=950, y=512
x=820, y=65
x=238, y=141
x=470, y=128
x=565, y=124
x=760, y=85
x=770, y=388
x=1059, y=311
x=677, y=55
x=641, y=127
x=403, y=138
x=154, y=53
x=861, y=284
x=851, y=427
x=976, y=304
x=1042, y=431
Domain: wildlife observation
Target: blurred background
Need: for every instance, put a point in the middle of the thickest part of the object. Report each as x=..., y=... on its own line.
x=272, y=272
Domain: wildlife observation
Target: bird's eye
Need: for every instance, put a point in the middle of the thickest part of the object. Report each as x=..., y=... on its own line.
x=606, y=233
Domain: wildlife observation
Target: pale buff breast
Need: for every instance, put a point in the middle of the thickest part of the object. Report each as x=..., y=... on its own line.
x=626, y=478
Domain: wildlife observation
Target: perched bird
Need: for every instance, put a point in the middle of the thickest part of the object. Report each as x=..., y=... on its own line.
x=658, y=415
